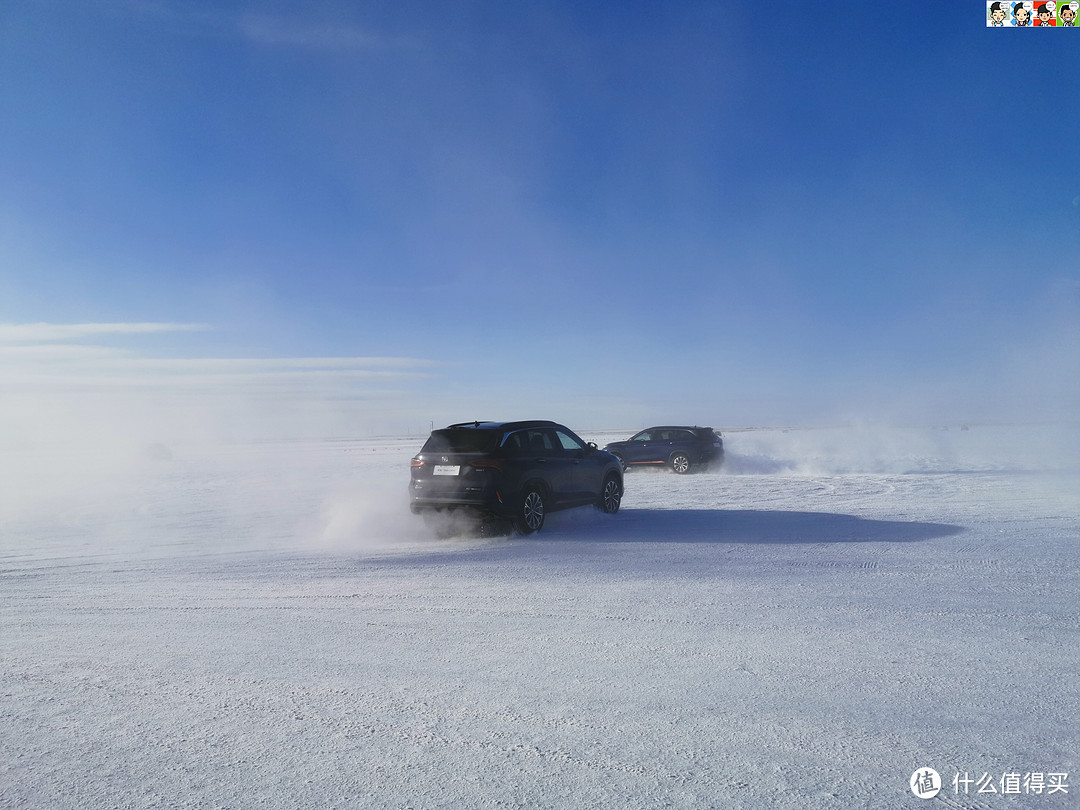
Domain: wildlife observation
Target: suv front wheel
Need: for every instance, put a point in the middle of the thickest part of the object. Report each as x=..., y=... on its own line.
x=611, y=496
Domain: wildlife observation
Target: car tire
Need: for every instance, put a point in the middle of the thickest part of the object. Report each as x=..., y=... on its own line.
x=530, y=512
x=620, y=460
x=610, y=495
x=680, y=463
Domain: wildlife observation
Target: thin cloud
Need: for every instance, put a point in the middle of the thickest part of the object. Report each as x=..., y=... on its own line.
x=276, y=363
x=26, y=353
x=60, y=386
x=276, y=32
x=48, y=357
x=260, y=28
x=58, y=332
x=300, y=383
x=86, y=358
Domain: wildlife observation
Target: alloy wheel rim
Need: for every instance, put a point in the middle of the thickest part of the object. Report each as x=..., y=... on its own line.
x=534, y=510
x=611, y=495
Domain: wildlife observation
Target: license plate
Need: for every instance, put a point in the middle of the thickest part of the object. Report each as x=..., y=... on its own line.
x=446, y=469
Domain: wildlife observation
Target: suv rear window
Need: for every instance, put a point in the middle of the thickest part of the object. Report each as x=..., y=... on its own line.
x=460, y=440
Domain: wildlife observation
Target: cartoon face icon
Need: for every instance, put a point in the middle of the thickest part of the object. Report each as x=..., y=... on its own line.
x=1068, y=15
x=1021, y=14
x=997, y=13
x=1045, y=14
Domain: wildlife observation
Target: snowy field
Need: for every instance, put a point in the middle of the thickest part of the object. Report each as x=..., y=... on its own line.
x=265, y=625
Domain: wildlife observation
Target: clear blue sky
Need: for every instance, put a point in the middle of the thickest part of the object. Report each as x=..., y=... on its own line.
x=606, y=213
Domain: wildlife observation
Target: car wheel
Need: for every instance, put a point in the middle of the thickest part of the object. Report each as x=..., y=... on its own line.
x=530, y=515
x=680, y=463
x=610, y=496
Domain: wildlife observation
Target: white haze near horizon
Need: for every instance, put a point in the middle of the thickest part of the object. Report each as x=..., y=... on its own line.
x=346, y=494
x=111, y=384
x=85, y=406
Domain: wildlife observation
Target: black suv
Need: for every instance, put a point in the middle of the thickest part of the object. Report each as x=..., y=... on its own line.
x=681, y=448
x=515, y=470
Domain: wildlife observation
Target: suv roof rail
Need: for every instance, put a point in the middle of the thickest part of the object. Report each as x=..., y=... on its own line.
x=496, y=425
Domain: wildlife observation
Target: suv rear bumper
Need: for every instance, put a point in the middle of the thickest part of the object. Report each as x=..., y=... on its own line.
x=484, y=499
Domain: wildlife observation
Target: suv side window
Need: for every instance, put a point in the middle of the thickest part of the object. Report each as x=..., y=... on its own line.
x=683, y=436
x=644, y=436
x=516, y=443
x=568, y=442
x=540, y=441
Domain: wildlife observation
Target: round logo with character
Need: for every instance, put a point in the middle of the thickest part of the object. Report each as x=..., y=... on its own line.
x=925, y=783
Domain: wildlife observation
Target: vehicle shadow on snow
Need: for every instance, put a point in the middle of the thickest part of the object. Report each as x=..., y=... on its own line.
x=734, y=526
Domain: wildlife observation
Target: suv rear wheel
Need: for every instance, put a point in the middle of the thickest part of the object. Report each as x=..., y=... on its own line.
x=530, y=514
x=680, y=463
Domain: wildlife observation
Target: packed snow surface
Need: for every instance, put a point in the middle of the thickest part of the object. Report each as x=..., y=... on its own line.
x=265, y=625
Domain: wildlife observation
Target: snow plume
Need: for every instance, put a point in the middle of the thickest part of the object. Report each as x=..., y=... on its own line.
x=365, y=514
x=335, y=495
x=368, y=508
x=91, y=432
x=890, y=449
x=1041, y=375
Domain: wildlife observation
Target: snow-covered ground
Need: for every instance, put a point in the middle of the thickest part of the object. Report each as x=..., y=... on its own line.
x=265, y=625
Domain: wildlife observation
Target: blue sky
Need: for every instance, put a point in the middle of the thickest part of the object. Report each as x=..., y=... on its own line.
x=605, y=213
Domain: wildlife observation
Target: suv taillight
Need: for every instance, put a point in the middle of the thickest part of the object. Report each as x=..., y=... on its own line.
x=416, y=462
x=486, y=464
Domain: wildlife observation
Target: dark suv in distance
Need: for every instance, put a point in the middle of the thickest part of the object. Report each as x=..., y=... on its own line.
x=680, y=447
x=512, y=470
